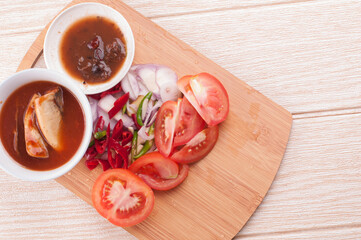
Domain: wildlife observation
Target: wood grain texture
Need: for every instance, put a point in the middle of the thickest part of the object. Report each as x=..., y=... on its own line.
x=218, y=197
x=37, y=19
x=209, y=204
x=316, y=194
x=333, y=34
x=296, y=54
x=321, y=169
x=304, y=56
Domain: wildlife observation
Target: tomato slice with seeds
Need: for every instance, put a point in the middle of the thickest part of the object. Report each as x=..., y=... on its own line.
x=207, y=95
x=165, y=124
x=122, y=197
x=188, y=125
x=159, y=172
x=198, y=147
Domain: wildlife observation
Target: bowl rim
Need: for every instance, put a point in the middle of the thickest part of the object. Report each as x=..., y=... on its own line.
x=14, y=168
x=121, y=73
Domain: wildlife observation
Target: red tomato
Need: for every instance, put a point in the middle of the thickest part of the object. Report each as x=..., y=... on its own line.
x=122, y=197
x=188, y=125
x=165, y=126
x=198, y=147
x=159, y=172
x=207, y=95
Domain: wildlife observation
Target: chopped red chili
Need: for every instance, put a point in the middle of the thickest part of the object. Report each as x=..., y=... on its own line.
x=118, y=105
x=100, y=124
x=117, y=88
x=91, y=164
x=90, y=153
x=127, y=136
x=101, y=145
x=118, y=130
x=134, y=117
x=104, y=163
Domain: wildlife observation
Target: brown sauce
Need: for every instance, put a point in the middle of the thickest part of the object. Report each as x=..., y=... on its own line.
x=93, y=50
x=12, y=123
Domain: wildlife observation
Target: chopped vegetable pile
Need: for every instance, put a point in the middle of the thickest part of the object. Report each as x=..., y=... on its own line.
x=145, y=136
x=124, y=116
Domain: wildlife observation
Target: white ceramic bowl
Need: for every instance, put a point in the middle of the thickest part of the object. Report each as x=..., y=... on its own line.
x=65, y=20
x=7, y=163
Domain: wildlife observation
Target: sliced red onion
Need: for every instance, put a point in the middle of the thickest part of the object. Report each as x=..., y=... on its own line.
x=142, y=133
x=131, y=84
x=93, y=106
x=127, y=121
x=151, y=111
x=152, y=120
x=169, y=92
x=106, y=118
x=150, y=106
x=106, y=103
x=152, y=148
x=158, y=79
x=131, y=108
x=147, y=74
x=144, y=108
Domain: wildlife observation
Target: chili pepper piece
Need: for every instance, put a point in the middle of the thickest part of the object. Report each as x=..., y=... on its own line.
x=133, y=150
x=118, y=130
x=126, y=137
x=118, y=105
x=117, y=88
x=104, y=163
x=100, y=124
x=90, y=153
x=140, y=107
x=145, y=149
x=99, y=135
x=134, y=117
x=101, y=145
x=91, y=164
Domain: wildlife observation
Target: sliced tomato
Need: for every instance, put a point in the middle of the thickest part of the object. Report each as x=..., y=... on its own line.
x=207, y=95
x=122, y=197
x=198, y=147
x=165, y=124
x=159, y=172
x=188, y=125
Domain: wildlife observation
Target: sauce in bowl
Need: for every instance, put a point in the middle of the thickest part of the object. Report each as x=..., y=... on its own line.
x=16, y=122
x=93, y=50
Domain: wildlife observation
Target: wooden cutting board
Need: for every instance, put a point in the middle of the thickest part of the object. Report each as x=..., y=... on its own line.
x=223, y=190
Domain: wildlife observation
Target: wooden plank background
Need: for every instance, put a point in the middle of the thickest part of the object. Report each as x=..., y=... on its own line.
x=301, y=54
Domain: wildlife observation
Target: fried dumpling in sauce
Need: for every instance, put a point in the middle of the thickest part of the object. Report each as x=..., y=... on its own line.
x=35, y=145
x=48, y=110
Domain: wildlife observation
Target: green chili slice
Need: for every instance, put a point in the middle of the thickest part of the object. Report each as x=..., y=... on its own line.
x=139, y=111
x=99, y=135
x=151, y=129
x=133, y=151
x=145, y=149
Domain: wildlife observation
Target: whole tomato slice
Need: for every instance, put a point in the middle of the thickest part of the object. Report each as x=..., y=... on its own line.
x=159, y=172
x=198, y=147
x=188, y=125
x=165, y=124
x=122, y=197
x=207, y=95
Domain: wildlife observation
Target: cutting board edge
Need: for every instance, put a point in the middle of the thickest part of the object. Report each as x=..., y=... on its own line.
x=35, y=51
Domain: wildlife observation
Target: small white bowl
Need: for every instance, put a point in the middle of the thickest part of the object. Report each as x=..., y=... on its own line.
x=65, y=20
x=7, y=163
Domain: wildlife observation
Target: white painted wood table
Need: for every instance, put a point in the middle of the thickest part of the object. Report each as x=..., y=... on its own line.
x=303, y=54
